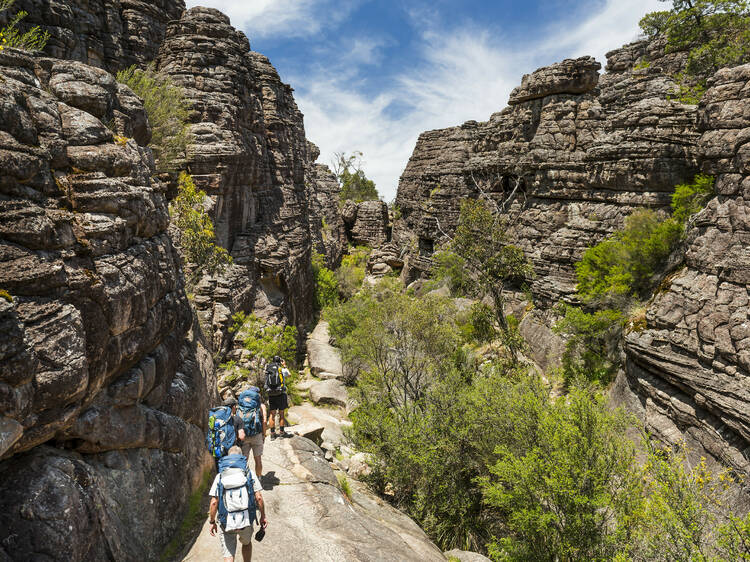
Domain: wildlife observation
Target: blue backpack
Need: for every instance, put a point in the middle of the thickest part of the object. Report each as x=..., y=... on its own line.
x=220, y=434
x=250, y=412
x=237, y=508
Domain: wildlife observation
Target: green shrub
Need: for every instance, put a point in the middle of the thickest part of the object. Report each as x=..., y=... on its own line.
x=32, y=40
x=566, y=491
x=480, y=324
x=714, y=33
x=351, y=272
x=450, y=268
x=168, y=111
x=195, y=231
x=624, y=264
x=592, y=340
x=354, y=183
x=264, y=339
x=690, y=198
x=326, y=290
x=345, y=486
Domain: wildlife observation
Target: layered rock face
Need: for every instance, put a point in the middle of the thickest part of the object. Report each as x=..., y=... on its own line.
x=689, y=370
x=367, y=222
x=250, y=155
x=578, y=152
x=326, y=223
x=98, y=355
x=110, y=35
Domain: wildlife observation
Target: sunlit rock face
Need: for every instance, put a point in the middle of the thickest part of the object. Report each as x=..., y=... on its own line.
x=110, y=35
x=690, y=368
x=250, y=155
x=580, y=150
x=99, y=360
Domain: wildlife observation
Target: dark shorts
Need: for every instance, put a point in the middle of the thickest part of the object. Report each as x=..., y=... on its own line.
x=278, y=402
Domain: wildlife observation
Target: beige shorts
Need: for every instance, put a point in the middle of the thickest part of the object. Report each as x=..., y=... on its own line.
x=255, y=442
x=229, y=540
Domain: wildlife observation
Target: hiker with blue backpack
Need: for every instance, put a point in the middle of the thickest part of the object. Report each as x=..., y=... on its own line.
x=235, y=500
x=225, y=427
x=252, y=412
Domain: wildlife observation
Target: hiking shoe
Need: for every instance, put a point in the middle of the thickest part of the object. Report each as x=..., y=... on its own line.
x=284, y=434
x=273, y=435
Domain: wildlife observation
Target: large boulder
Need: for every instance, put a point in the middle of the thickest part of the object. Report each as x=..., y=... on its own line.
x=323, y=358
x=329, y=392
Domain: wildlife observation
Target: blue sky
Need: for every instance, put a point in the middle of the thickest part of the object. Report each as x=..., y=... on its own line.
x=371, y=75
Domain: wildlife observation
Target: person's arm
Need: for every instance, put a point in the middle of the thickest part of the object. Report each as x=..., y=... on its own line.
x=262, y=507
x=240, y=425
x=263, y=416
x=212, y=509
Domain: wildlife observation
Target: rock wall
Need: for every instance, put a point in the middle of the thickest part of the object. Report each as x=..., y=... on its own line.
x=367, y=223
x=250, y=155
x=688, y=372
x=580, y=150
x=326, y=223
x=100, y=360
x=108, y=34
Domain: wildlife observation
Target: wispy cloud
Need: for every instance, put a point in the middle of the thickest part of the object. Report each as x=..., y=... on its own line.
x=288, y=18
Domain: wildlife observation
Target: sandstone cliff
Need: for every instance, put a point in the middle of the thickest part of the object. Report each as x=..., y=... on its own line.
x=688, y=370
x=110, y=35
x=582, y=151
x=99, y=358
x=250, y=155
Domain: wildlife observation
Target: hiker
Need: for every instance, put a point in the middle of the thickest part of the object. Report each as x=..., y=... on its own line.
x=276, y=374
x=235, y=498
x=225, y=427
x=252, y=411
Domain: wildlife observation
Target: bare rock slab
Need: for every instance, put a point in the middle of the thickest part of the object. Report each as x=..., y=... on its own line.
x=321, y=355
x=329, y=392
x=466, y=556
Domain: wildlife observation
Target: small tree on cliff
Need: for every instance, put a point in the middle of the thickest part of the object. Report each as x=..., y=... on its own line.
x=32, y=40
x=195, y=231
x=481, y=240
x=167, y=109
x=716, y=34
x=354, y=183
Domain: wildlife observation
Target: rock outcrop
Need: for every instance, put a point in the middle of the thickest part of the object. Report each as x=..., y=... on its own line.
x=110, y=35
x=250, y=155
x=99, y=357
x=580, y=151
x=689, y=369
x=367, y=223
x=326, y=223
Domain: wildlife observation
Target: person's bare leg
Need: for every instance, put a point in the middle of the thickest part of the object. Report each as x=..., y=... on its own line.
x=271, y=420
x=258, y=466
x=247, y=552
x=282, y=420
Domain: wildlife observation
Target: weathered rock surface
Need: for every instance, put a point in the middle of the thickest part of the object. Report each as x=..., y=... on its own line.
x=110, y=35
x=330, y=392
x=466, y=556
x=323, y=358
x=689, y=369
x=369, y=226
x=327, y=227
x=581, y=153
x=100, y=353
x=311, y=519
x=250, y=155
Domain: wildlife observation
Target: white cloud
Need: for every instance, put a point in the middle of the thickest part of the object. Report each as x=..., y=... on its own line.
x=288, y=18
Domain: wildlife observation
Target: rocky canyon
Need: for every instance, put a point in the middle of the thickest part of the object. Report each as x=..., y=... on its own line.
x=108, y=360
